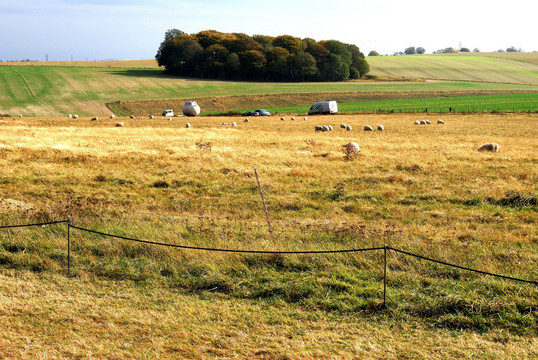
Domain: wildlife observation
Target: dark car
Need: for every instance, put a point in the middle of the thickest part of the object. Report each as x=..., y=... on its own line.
x=261, y=112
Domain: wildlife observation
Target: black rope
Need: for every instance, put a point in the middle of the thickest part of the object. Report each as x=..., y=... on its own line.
x=463, y=267
x=28, y=225
x=227, y=250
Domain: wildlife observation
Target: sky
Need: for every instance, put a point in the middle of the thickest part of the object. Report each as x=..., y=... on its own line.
x=61, y=30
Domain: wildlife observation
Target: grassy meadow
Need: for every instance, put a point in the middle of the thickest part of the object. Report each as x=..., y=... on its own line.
x=85, y=88
x=423, y=189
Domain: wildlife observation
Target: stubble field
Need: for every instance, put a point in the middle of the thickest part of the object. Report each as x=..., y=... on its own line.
x=423, y=189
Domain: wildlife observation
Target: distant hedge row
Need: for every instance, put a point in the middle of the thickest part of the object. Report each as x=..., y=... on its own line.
x=216, y=55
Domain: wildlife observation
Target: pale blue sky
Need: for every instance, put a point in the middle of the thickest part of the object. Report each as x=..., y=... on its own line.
x=101, y=29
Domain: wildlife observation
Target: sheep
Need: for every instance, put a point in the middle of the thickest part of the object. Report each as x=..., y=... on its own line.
x=119, y=124
x=234, y=124
x=348, y=127
x=75, y=116
x=188, y=125
x=112, y=116
x=305, y=118
x=441, y=122
x=417, y=122
x=224, y=123
x=246, y=120
x=343, y=126
x=318, y=128
x=20, y=115
x=324, y=128
x=380, y=128
x=282, y=119
x=132, y=116
x=330, y=127
x=152, y=116
x=423, y=122
x=368, y=128
x=292, y=118
x=70, y=116
x=169, y=119
x=428, y=122
x=95, y=118
x=351, y=150
x=494, y=147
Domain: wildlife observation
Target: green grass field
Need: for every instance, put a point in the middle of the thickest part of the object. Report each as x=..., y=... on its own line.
x=84, y=88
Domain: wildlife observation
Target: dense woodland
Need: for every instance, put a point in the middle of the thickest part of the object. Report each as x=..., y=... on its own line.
x=215, y=55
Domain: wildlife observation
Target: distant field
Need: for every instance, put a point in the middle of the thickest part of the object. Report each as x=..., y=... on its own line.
x=57, y=89
x=510, y=68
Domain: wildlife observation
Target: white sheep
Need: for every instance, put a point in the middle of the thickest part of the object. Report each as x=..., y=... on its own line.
x=152, y=116
x=292, y=118
x=282, y=119
x=343, y=126
x=70, y=116
x=20, y=115
x=75, y=116
x=318, y=128
x=132, y=116
x=112, y=116
x=417, y=122
x=324, y=128
x=246, y=120
x=441, y=122
x=330, y=127
x=95, y=118
x=423, y=122
x=234, y=124
x=380, y=128
x=169, y=119
x=305, y=118
x=428, y=122
x=351, y=150
x=119, y=124
x=188, y=125
x=494, y=147
x=368, y=128
x=348, y=127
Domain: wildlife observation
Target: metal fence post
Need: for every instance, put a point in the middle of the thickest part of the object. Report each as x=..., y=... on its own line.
x=68, y=247
x=385, y=278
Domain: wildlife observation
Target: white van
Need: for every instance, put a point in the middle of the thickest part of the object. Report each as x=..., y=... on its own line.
x=323, y=107
x=168, y=113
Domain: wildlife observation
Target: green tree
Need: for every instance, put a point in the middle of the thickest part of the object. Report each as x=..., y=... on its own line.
x=373, y=53
x=277, y=63
x=335, y=69
x=305, y=66
x=410, y=50
x=339, y=48
x=290, y=43
x=421, y=50
x=253, y=63
x=232, y=65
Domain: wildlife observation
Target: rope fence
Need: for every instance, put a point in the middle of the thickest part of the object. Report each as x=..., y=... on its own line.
x=385, y=249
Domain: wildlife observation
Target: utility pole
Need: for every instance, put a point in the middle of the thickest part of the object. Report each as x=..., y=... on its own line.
x=46, y=57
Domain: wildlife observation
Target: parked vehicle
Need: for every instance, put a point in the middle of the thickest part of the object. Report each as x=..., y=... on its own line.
x=168, y=113
x=258, y=112
x=323, y=107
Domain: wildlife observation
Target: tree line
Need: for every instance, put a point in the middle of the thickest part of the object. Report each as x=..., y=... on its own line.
x=237, y=56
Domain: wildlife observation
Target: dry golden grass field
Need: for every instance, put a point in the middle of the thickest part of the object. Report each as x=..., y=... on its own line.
x=420, y=188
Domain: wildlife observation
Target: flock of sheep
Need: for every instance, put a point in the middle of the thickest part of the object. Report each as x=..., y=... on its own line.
x=350, y=149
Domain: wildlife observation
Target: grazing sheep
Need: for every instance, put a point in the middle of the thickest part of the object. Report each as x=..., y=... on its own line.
x=417, y=122
x=324, y=128
x=380, y=128
x=305, y=118
x=428, y=122
x=440, y=122
x=112, y=116
x=423, y=122
x=494, y=147
x=188, y=125
x=75, y=116
x=234, y=124
x=132, y=116
x=20, y=115
x=368, y=128
x=119, y=124
x=292, y=118
x=343, y=126
x=351, y=150
x=318, y=128
x=282, y=119
x=70, y=116
x=348, y=127
x=152, y=116
x=330, y=127
x=246, y=120
x=95, y=118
